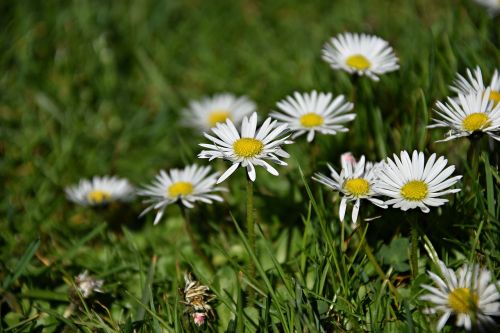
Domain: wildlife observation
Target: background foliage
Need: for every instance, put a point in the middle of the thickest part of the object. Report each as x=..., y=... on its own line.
x=96, y=87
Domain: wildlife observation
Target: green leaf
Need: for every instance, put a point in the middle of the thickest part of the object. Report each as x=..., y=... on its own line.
x=395, y=254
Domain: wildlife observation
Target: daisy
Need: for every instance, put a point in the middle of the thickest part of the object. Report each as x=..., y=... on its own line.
x=188, y=185
x=249, y=148
x=493, y=6
x=100, y=191
x=361, y=54
x=310, y=113
x=470, y=114
x=355, y=181
x=474, y=84
x=207, y=112
x=467, y=293
x=412, y=183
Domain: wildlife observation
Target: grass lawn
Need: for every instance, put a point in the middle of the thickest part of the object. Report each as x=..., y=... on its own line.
x=100, y=88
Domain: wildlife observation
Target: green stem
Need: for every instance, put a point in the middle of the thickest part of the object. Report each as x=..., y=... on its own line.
x=414, y=247
x=250, y=225
x=473, y=156
x=194, y=243
x=374, y=262
x=251, y=238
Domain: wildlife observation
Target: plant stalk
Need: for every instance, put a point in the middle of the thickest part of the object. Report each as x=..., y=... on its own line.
x=250, y=225
x=194, y=243
x=414, y=234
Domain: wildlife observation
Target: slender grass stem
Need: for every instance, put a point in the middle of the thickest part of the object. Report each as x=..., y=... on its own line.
x=194, y=243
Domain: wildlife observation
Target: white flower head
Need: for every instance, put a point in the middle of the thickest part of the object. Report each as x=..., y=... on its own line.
x=87, y=284
x=205, y=113
x=249, y=148
x=100, y=191
x=188, y=185
x=313, y=112
x=412, y=182
x=474, y=84
x=473, y=113
x=467, y=293
x=360, y=54
x=356, y=181
x=493, y=6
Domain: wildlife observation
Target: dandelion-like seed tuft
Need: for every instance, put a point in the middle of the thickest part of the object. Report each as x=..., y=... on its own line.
x=414, y=190
x=476, y=121
x=357, y=186
x=197, y=298
x=311, y=120
x=462, y=300
x=180, y=188
x=98, y=196
x=218, y=116
x=247, y=147
x=358, y=61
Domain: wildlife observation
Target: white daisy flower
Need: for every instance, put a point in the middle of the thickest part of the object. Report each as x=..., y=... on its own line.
x=361, y=54
x=493, y=6
x=412, y=183
x=250, y=147
x=474, y=84
x=470, y=114
x=310, y=113
x=207, y=112
x=188, y=185
x=467, y=293
x=355, y=181
x=100, y=191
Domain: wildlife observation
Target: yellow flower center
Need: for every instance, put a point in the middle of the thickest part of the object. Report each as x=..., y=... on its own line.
x=218, y=116
x=180, y=188
x=476, y=121
x=311, y=120
x=495, y=96
x=98, y=196
x=414, y=190
x=358, y=62
x=462, y=300
x=247, y=147
x=357, y=186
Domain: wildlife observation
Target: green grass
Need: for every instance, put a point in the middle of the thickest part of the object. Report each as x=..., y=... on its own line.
x=90, y=88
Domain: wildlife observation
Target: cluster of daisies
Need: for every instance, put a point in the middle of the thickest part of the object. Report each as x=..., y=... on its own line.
x=407, y=181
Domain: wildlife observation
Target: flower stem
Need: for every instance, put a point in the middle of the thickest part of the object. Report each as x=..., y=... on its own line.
x=194, y=243
x=473, y=156
x=251, y=238
x=373, y=260
x=250, y=225
x=414, y=246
